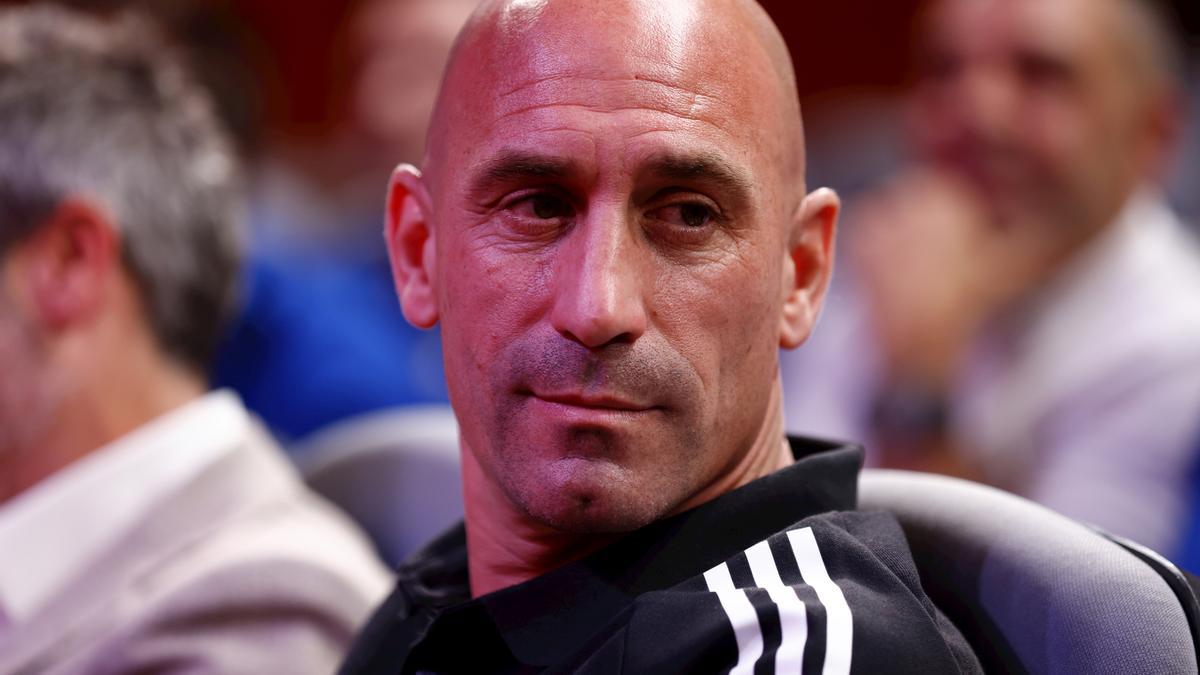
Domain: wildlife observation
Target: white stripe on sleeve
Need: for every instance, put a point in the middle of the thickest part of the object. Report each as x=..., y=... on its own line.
x=839, y=628
x=793, y=621
x=741, y=615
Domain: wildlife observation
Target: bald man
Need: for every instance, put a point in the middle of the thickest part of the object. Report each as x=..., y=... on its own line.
x=612, y=229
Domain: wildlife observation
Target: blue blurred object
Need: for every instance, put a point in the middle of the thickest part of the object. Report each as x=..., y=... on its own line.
x=321, y=339
x=1188, y=555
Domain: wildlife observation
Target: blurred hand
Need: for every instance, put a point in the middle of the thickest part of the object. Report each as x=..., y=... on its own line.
x=935, y=267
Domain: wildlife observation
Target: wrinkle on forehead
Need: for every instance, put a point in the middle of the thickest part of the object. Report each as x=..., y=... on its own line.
x=573, y=78
x=662, y=43
x=613, y=95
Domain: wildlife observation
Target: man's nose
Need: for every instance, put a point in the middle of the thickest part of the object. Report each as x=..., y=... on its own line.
x=988, y=98
x=599, y=284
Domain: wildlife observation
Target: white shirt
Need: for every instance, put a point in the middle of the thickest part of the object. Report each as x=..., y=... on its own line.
x=50, y=533
x=1089, y=400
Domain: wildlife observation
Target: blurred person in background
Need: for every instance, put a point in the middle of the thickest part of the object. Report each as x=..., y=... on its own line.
x=145, y=525
x=319, y=281
x=1030, y=298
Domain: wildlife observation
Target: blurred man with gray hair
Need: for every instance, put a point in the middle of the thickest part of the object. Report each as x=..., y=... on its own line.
x=146, y=526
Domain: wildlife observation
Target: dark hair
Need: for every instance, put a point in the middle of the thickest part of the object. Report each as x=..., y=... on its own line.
x=1157, y=24
x=104, y=110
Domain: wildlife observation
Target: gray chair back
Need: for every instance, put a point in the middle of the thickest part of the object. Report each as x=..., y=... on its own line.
x=395, y=472
x=1034, y=591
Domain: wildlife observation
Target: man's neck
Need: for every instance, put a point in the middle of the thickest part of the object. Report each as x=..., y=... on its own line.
x=506, y=547
x=769, y=452
x=99, y=409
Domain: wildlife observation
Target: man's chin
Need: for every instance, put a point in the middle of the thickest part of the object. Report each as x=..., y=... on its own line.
x=591, y=519
x=588, y=497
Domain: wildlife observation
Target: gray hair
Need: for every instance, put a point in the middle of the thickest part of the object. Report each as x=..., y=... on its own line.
x=104, y=111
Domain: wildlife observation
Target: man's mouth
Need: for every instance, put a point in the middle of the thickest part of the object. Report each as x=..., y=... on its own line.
x=597, y=402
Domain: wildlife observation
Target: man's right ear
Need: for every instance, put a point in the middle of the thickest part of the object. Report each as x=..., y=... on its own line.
x=411, y=248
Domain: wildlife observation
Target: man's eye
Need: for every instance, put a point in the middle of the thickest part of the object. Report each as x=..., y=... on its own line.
x=547, y=207
x=1043, y=70
x=690, y=215
x=695, y=215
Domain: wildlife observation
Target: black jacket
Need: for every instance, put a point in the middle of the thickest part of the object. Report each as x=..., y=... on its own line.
x=779, y=573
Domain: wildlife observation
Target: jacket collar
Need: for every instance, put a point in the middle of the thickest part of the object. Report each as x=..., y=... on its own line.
x=540, y=621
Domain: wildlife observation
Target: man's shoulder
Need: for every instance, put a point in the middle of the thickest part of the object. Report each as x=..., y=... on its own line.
x=252, y=513
x=1143, y=275
x=247, y=613
x=731, y=582
x=835, y=591
x=243, y=570
x=285, y=556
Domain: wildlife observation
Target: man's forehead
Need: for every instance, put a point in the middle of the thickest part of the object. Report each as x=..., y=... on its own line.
x=520, y=65
x=607, y=93
x=1068, y=27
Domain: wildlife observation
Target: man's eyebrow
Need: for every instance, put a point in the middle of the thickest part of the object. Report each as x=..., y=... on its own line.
x=706, y=168
x=513, y=166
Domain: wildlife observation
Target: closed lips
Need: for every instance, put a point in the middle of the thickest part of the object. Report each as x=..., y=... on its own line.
x=594, y=402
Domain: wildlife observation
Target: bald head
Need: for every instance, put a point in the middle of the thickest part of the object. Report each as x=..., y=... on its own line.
x=708, y=49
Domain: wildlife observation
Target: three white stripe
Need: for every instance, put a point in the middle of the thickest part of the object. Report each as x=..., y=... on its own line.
x=741, y=614
x=839, y=628
x=793, y=621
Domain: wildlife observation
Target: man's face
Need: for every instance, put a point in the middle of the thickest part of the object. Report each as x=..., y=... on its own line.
x=1033, y=101
x=609, y=216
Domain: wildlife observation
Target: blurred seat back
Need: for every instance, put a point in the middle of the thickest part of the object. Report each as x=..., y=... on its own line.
x=396, y=472
x=1033, y=591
